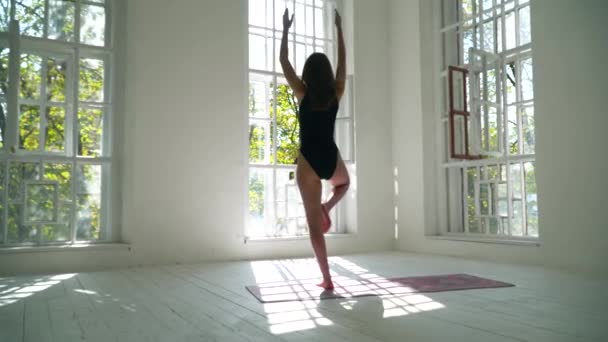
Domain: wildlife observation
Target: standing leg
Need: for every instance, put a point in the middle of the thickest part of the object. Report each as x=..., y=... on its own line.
x=340, y=182
x=310, y=189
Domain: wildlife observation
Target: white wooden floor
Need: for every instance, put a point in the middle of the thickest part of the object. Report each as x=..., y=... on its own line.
x=208, y=302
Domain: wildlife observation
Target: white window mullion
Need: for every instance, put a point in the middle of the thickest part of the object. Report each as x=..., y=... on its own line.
x=314, y=25
x=465, y=198
x=12, y=124
x=45, y=27
x=524, y=199
x=481, y=45
x=293, y=43
x=4, y=194
x=516, y=14
x=495, y=25
x=43, y=105
x=503, y=28
x=75, y=125
x=274, y=144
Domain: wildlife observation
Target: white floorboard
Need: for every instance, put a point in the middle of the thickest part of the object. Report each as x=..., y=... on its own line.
x=209, y=302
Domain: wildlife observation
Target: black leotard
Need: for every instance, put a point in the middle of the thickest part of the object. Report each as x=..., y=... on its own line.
x=317, y=137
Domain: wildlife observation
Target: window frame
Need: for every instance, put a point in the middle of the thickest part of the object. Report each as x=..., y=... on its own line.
x=453, y=188
x=274, y=73
x=74, y=51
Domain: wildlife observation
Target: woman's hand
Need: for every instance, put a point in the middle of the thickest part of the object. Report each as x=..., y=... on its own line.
x=286, y=21
x=338, y=19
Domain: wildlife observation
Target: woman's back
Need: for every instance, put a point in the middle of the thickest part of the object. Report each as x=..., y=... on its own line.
x=317, y=143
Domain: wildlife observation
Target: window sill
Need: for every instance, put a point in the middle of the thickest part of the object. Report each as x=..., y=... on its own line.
x=490, y=240
x=67, y=248
x=330, y=236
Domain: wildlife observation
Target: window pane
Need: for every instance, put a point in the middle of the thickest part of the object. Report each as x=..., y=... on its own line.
x=488, y=36
x=92, y=25
x=512, y=81
x=260, y=96
x=90, y=128
x=310, y=27
x=5, y=15
x=62, y=174
x=499, y=41
x=55, y=130
x=257, y=54
x=527, y=80
x=55, y=232
x=471, y=175
x=290, y=216
x=4, y=70
x=31, y=75
x=484, y=199
x=301, y=22
x=3, y=116
x=466, y=10
x=18, y=174
x=17, y=231
x=88, y=220
x=319, y=23
x=40, y=202
x=91, y=86
x=344, y=138
x=259, y=141
x=531, y=199
x=257, y=12
x=30, y=14
x=56, y=79
x=288, y=129
x=515, y=175
x=527, y=122
x=510, y=30
x=512, y=130
x=61, y=20
x=524, y=25
x=459, y=134
x=260, y=202
x=29, y=128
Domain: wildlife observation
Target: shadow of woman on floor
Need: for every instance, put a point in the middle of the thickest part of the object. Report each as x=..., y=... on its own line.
x=353, y=312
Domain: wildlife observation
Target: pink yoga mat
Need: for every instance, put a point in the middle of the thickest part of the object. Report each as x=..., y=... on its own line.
x=345, y=287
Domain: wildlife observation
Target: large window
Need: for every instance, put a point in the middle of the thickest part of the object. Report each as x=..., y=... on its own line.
x=487, y=119
x=54, y=121
x=275, y=207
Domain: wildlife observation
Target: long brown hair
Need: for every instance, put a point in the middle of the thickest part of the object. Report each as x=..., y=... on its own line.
x=320, y=81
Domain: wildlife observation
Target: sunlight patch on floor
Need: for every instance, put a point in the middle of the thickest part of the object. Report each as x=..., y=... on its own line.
x=12, y=290
x=293, y=282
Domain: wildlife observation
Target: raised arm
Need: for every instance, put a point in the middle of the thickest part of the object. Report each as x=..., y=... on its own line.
x=296, y=84
x=341, y=69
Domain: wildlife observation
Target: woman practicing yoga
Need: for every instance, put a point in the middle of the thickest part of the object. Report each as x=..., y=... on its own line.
x=318, y=94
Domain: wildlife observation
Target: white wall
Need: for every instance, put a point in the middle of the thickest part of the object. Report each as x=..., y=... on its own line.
x=184, y=124
x=570, y=47
x=186, y=92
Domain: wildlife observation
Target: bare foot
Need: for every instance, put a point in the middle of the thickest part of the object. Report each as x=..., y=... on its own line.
x=325, y=219
x=326, y=284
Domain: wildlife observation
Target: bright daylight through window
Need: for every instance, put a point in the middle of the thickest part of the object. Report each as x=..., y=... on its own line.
x=54, y=121
x=487, y=119
x=275, y=206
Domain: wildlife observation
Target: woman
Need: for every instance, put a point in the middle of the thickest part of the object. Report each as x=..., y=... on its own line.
x=318, y=94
